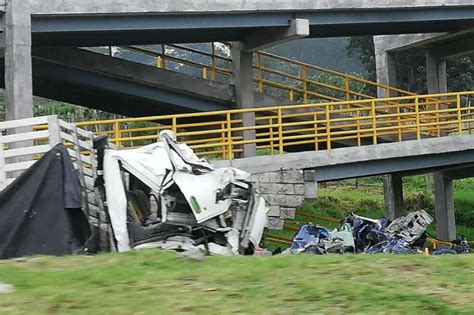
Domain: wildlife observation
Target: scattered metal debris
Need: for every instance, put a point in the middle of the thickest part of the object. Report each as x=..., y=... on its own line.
x=410, y=227
x=6, y=288
x=403, y=235
x=359, y=234
x=461, y=246
x=318, y=240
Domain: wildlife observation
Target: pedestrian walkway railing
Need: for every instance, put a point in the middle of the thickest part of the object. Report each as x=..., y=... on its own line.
x=273, y=75
x=319, y=126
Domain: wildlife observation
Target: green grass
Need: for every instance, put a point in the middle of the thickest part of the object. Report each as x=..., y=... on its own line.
x=156, y=282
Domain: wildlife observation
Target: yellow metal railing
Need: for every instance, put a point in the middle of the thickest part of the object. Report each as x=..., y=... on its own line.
x=307, y=82
x=210, y=64
x=315, y=126
x=273, y=74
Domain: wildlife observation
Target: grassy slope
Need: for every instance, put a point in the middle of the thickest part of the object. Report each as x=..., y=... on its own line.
x=161, y=282
x=338, y=199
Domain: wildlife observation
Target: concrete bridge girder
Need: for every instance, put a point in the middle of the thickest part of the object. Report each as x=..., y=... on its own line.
x=90, y=30
x=99, y=81
x=185, y=93
x=190, y=6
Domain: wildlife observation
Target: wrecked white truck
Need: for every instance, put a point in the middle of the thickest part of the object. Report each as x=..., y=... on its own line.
x=194, y=205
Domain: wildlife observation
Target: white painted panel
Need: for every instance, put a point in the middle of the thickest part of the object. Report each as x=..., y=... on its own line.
x=35, y=135
x=26, y=151
x=18, y=166
x=23, y=122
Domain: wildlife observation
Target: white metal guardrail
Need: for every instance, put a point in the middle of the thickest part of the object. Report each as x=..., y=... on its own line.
x=24, y=141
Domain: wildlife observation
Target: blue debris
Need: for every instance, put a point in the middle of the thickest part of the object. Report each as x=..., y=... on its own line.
x=318, y=240
x=443, y=252
x=307, y=240
x=391, y=245
x=461, y=246
x=365, y=235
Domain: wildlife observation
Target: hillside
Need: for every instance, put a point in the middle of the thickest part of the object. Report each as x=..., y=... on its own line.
x=324, y=52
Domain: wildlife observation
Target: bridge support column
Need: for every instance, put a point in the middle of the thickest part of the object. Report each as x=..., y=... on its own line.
x=435, y=73
x=242, y=78
x=386, y=72
x=393, y=196
x=444, y=208
x=18, y=68
x=310, y=185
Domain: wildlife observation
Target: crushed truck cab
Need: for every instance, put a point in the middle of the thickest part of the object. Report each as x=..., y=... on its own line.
x=196, y=205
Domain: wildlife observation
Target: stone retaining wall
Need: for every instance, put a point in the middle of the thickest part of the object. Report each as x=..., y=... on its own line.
x=284, y=191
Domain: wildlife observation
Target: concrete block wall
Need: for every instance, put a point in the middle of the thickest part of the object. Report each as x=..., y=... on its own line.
x=284, y=191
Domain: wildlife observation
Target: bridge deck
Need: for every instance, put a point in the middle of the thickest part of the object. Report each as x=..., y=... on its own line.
x=405, y=158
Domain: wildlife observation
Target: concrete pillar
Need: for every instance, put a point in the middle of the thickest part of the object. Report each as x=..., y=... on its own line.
x=393, y=196
x=242, y=78
x=435, y=74
x=444, y=208
x=18, y=69
x=386, y=72
x=310, y=185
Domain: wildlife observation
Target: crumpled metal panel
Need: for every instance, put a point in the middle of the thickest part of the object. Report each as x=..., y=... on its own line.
x=410, y=227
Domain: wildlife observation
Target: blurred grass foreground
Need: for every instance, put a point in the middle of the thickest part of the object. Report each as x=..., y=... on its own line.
x=161, y=282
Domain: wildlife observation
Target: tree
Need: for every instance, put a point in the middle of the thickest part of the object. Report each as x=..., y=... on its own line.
x=411, y=73
x=363, y=48
x=460, y=72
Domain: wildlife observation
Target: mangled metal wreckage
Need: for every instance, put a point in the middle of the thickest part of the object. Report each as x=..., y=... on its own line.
x=359, y=234
x=197, y=205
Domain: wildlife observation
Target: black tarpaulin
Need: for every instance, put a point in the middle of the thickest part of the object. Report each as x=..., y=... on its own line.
x=40, y=212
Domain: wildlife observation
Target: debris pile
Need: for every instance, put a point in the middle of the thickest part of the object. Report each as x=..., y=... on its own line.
x=458, y=246
x=359, y=234
x=318, y=240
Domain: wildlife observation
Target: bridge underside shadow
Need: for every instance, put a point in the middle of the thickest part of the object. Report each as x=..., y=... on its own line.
x=119, y=86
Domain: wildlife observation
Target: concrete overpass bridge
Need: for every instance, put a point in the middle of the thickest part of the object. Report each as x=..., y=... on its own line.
x=252, y=24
